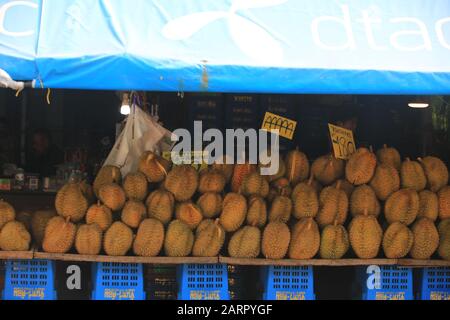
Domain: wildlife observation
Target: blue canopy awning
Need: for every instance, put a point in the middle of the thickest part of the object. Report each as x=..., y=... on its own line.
x=277, y=46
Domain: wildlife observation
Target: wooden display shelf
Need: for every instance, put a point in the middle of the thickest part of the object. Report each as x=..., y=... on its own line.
x=16, y=255
x=124, y=259
x=310, y=262
x=423, y=263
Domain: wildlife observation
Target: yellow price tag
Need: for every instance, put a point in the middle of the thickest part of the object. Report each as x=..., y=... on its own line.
x=285, y=126
x=189, y=155
x=343, y=142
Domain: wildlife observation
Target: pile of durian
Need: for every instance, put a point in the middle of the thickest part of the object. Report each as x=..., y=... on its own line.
x=373, y=205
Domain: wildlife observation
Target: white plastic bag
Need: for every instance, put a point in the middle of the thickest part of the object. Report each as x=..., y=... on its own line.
x=141, y=133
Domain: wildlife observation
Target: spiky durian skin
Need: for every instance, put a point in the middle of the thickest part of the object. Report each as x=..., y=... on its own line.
x=210, y=204
x=133, y=213
x=160, y=205
x=426, y=239
x=107, y=174
x=365, y=235
x=154, y=167
x=334, y=242
x=280, y=209
x=179, y=239
x=59, y=235
x=346, y=186
x=149, y=238
x=255, y=184
x=305, y=239
x=88, y=239
x=278, y=175
x=211, y=180
x=360, y=167
x=385, y=181
x=101, y=215
x=444, y=239
x=14, y=237
x=444, y=203
x=297, y=166
x=225, y=168
x=7, y=213
x=70, y=202
x=209, y=239
x=363, y=200
x=189, y=213
x=389, y=156
x=240, y=171
x=402, y=206
x=428, y=205
x=135, y=186
x=112, y=196
x=118, y=239
x=275, y=240
x=436, y=172
x=333, y=206
x=412, y=175
x=327, y=169
x=305, y=201
x=39, y=222
x=397, y=241
x=234, y=212
x=257, y=212
x=245, y=243
x=182, y=182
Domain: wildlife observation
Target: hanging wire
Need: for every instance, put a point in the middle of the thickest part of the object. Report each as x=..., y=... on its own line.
x=18, y=92
x=48, y=96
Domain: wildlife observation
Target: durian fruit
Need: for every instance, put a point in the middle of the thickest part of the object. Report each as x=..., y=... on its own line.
x=100, y=215
x=363, y=198
x=428, y=205
x=426, y=239
x=209, y=239
x=305, y=239
x=59, y=235
x=133, y=213
x=88, y=239
x=397, y=241
x=297, y=166
x=39, y=222
x=70, y=202
x=305, y=200
x=234, y=211
x=280, y=209
x=226, y=168
x=245, y=243
x=210, y=204
x=135, y=186
x=334, y=242
x=255, y=184
x=88, y=191
x=211, y=181
x=179, y=239
x=160, y=205
x=25, y=218
x=385, y=181
x=112, y=196
x=106, y=175
x=436, y=172
x=189, y=213
x=403, y=206
x=327, y=169
x=118, y=239
x=444, y=203
x=275, y=240
x=365, y=235
x=182, y=182
x=149, y=238
x=14, y=237
x=360, y=166
x=282, y=187
x=280, y=173
x=333, y=206
x=153, y=166
x=412, y=175
x=240, y=171
x=389, y=156
x=444, y=239
x=257, y=212
x=346, y=186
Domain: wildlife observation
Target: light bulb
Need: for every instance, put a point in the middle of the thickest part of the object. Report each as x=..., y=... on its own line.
x=418, y=105
x=125, y=109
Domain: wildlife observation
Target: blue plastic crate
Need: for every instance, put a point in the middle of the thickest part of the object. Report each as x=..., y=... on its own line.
x=29, y=280
x=288, y=283
x=203, y=282
x=435, y=284
x=394, y=283
x=118, y=281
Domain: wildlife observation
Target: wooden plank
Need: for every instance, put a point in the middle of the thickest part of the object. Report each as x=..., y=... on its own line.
x=125, y=259
x=423, y=263
x=16, y=255
x=311, y=262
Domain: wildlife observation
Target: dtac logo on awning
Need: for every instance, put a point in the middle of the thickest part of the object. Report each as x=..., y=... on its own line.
x=15, y=31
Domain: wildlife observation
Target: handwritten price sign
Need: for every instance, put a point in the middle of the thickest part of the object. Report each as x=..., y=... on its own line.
x=285, y=126
x=343, y=142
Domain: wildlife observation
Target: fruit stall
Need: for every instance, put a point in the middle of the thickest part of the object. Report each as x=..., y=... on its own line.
x=358, y=208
